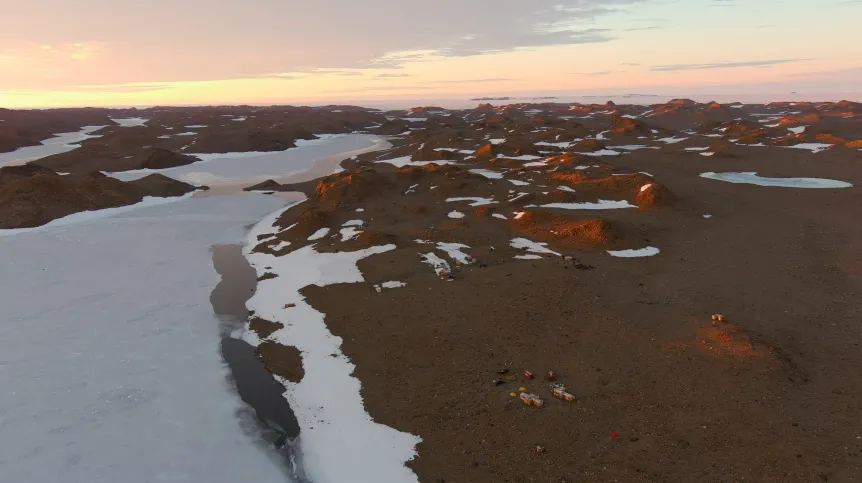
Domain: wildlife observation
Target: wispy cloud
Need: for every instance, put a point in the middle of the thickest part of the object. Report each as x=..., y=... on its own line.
x=593, y=74
x=383, y=88
x=390, y=76
x=724, y=65
x=636, y=29
x=470, y=81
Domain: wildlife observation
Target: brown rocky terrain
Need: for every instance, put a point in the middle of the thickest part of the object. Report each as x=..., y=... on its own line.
x=33, y=195
x=662, y=393
x=170, y=133
x=20, y=128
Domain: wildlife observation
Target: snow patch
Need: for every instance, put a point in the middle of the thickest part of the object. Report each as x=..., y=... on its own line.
x=131, y=121
x=476, y=201
x=603, y=152
x=349, y=233
x=672, y=140
x=642, y=252
x=599, y=205
x=440, y=266
x=634, y=147
x=531, y=246
x=813, y=147
x=753, y=178
x=488, y=173
x=453, y=250
x=319, y=234
x=327, y=402
x=405, y=161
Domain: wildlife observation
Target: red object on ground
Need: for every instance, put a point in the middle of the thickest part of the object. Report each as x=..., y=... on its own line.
x=615, y=435
x=528, y=376
x=552, y=376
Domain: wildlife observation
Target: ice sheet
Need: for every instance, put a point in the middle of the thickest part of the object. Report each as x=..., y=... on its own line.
x=109, y=351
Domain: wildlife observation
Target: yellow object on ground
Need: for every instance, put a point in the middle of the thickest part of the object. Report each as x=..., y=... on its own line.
x=512, y=394
x=522, y=388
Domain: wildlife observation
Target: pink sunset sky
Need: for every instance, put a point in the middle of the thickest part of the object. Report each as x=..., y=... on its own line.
x=138, y=53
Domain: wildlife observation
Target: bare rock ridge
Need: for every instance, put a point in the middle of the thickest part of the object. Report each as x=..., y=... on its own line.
x=21, y=128
x=33, y=195
x=171, y=134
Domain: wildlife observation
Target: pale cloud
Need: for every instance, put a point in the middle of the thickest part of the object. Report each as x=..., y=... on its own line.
x=725, y=65
x=285, y=50
x=82, y=50
x=250, y=39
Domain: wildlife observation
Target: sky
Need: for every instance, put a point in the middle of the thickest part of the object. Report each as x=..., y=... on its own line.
x=196, y=52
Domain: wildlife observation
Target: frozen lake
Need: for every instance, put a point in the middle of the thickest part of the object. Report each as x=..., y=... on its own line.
x=109, y=351
x=60, y=143
x=259, y=166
